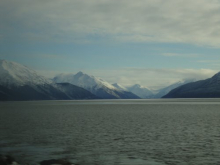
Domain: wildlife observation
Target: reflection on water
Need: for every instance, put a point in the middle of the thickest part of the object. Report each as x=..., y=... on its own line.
x=115, y=132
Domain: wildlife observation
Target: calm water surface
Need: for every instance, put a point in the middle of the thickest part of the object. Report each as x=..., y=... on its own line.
x=115, y=132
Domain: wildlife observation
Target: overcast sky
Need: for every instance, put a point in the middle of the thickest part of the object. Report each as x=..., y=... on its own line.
x=150, y=42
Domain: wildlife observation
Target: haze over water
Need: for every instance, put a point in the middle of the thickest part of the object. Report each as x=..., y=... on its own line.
x=113, y=132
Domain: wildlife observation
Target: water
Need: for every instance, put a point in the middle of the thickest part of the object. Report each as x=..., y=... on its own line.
x=115, y=132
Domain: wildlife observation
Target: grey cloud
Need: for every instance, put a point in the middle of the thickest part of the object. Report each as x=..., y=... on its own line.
x=183, y=21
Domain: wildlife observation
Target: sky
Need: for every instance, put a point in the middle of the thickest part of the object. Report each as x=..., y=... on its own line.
x=153, y=43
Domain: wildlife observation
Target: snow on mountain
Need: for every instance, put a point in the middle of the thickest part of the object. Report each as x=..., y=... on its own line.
x=209, y=88
x=120, y=87
x=162, y=92
x=83, y=80
x=12, y=73
x=18, y=82
x=140, y=91
x=96, y=85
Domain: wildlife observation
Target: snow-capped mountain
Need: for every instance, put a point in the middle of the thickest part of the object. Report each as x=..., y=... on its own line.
x=12, y=73
x=84, y=80
x=162, y=92
x=120, y=87
x=18, y=82
x=140, y=91
x=97, y=86
x=209, y=88
x=144, y=92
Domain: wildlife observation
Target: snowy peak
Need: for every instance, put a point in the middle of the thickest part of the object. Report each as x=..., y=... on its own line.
x=12, y=73
x=95, y=85
x=83, y=80
x=136, y=86
x=18, y=82
x=140, y=91
x=80, y=74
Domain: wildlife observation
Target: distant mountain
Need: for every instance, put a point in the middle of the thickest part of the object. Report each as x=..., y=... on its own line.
x=140, y=91
x=209, y=88
x=18, y=82
x=162, y=92
x=97, y=86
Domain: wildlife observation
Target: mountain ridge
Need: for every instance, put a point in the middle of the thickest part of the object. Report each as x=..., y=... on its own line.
x=12, y=73
x=95, y=85
x=140, y=91
x=208, y=88
x=162, y=92
x=18, y=82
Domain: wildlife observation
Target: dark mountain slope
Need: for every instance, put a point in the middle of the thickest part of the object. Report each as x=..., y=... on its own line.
x=27, y=92
x=209, y=88
x=75, y=92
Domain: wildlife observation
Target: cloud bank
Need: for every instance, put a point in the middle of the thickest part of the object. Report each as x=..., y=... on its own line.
x=170, y=21
x=154, y=78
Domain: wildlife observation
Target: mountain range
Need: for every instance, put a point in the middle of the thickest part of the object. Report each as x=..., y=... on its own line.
x=140, y=91
x=18, y=82
x=97, y=86
x=146, y=93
